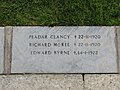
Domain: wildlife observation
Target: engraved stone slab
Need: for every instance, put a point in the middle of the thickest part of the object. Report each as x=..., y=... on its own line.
x=1, y=48
x=63, y=49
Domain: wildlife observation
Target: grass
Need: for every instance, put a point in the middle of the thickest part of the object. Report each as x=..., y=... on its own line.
x=59, y=12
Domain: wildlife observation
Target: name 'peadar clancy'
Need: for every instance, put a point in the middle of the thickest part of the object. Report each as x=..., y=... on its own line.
x=49, y=36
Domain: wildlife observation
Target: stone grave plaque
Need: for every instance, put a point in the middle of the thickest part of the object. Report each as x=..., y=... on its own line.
x=1, y=48
x=72, y=49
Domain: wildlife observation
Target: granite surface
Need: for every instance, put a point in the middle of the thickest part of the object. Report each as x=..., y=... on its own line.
x=41, y=82
x=102, y=82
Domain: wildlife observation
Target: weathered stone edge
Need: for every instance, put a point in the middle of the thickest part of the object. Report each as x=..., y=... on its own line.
x=8, y=32
x=118, y=46
x=2, y=50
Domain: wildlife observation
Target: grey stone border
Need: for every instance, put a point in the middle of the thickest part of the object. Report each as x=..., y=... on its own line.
x=118, y=46
x=7, y=49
